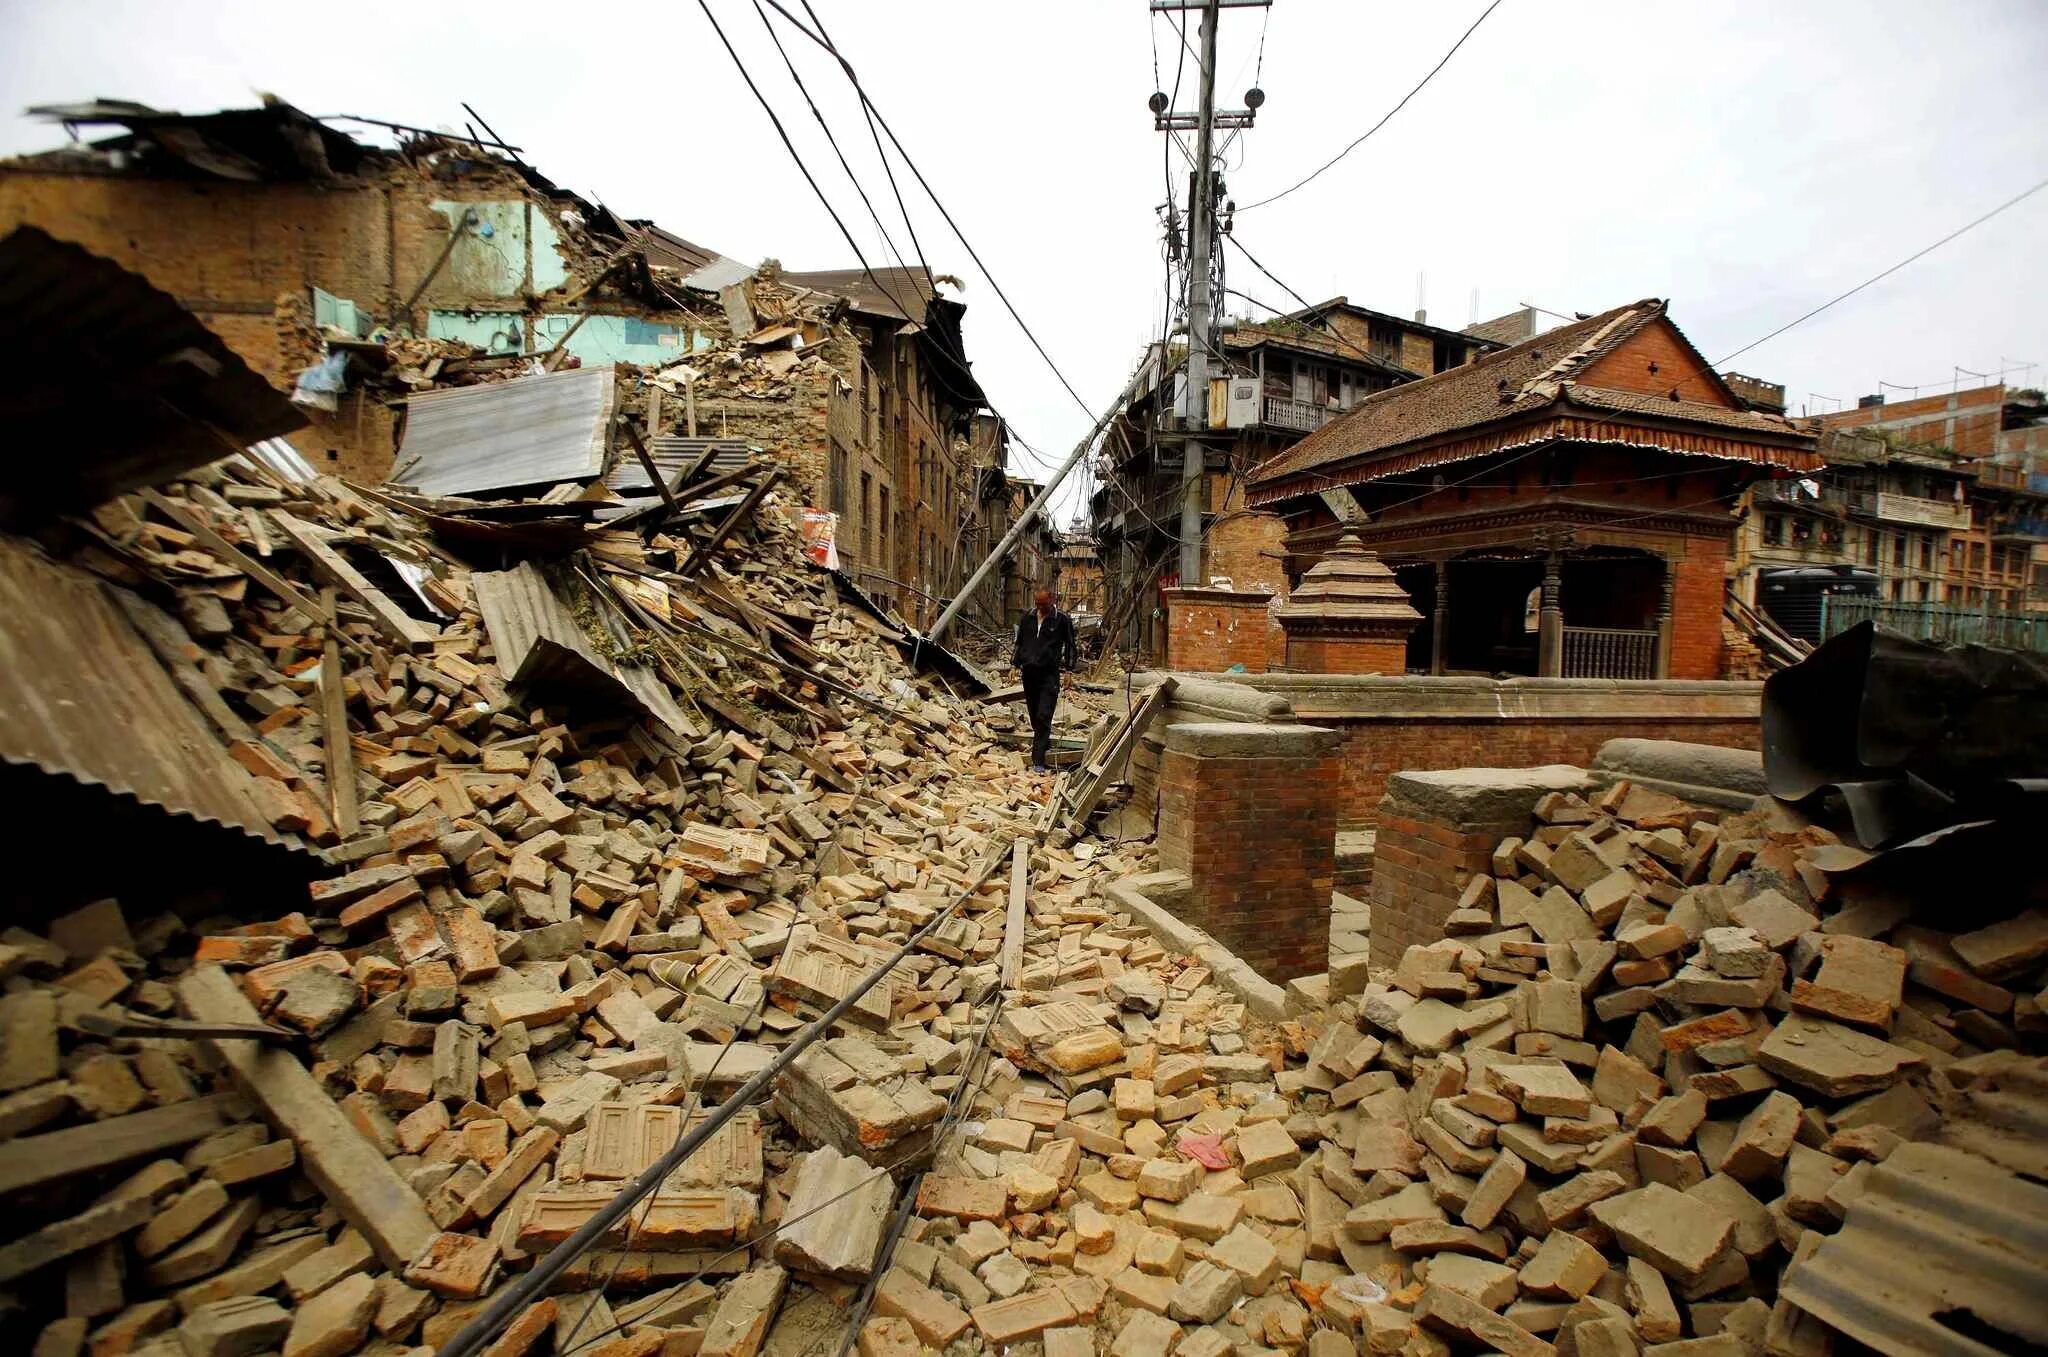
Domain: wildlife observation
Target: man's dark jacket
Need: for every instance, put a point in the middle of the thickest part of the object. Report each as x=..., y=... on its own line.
x=1045, y=645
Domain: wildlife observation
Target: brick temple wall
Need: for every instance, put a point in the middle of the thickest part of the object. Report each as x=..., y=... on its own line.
x=1246, y=811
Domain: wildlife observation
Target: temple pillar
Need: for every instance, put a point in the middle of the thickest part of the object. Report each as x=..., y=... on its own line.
x=1439, y=621
x=1664, y=618
x=1550, y=620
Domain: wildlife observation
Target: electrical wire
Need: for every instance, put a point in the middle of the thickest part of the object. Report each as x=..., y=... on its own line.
x=847, y=67
x=832, y=141
x=946, y=1123
x=1386, y=118
x=895, y=190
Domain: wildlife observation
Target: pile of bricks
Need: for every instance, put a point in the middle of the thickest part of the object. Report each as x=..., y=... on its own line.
x=1654, y=1060
x=544, y=942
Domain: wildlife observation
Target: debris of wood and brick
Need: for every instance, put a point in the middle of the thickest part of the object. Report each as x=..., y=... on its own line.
x=562, y=915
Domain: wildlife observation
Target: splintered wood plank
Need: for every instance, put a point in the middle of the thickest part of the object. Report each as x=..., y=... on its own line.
x=330, y=565
x=341, y=755
x=1013, y=921
x=197, y=525
x=1095, y=781
x=342, y=1163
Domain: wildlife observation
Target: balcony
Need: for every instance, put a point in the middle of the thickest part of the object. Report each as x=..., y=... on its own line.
x=1301, y=416
x=1947, y=515
x=1609, y=652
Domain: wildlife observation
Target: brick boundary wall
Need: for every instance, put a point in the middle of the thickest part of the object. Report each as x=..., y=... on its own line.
x=1208, y=630
x=1388, y=725
x=1247, y=813
x=1438, y=829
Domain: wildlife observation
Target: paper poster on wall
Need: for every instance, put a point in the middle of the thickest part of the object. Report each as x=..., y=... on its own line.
x=821, y=530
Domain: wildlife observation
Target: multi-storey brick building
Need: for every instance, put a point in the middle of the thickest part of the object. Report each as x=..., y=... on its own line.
x=1560, y=507
x=290, y=239
x=1281, y=379
x=1988, y=541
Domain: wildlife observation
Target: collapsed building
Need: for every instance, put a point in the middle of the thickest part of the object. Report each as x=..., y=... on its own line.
x=360, y=276
x=576, y=919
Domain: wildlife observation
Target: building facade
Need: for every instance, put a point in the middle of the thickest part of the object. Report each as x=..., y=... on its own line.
x=1281, y=380
x=1562, y=507
x=1984, y=453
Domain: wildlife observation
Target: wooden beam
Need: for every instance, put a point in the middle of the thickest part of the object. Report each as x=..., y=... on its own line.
x=1013, y=921
x=331, y=566
x=196, y=524
x=342, y=1163
x=647, y=463
x=31, y=1160
x=740, y=513
x=341, y=754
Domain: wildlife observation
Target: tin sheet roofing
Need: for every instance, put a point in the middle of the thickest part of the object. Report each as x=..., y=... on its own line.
x=505, y=435
x=82, y=696
x=1936, y=1236
x=106, y=383
x=674, y=453
x=540, y=645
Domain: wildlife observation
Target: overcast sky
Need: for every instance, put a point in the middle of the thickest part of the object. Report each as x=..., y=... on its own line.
x=1746, y=160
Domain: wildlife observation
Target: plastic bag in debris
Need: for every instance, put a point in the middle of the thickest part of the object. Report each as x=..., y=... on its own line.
x=320, y=386
x=1359, y=1289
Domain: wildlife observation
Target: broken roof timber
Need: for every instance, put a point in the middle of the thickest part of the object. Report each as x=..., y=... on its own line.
x=540, y=644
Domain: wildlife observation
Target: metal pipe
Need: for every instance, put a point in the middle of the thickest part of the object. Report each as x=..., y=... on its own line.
x=473, y=1336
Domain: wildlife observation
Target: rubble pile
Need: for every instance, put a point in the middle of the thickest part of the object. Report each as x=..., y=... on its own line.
x=546, y=943
x=1654, y=1063
x=1656, y=1058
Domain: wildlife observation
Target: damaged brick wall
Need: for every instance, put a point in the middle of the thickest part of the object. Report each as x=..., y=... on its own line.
x=1247, y=813
x=1436, y=831
x=1208, y=630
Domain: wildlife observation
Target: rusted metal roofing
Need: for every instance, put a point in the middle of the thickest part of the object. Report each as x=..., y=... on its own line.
x=83, y=697
x=540, y=645
x=532, y=431
x=899, y=294
x=106, y=383
x=1942, y=1254
x=673, y=453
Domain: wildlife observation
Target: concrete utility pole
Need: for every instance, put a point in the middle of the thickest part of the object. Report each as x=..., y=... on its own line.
x=1201, y=239
x=1030, y=514
x=1202, y=195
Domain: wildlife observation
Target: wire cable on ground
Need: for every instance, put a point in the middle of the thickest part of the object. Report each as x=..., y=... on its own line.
x=480, y=1330
x=951, y=1118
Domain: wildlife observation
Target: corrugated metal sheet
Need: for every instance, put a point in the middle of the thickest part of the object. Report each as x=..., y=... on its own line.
x=540, y=645
x=82, y=696
x=106, y=383
x=1940, y=1255
x=282, y=460
x=673, y=453
x=504, y=435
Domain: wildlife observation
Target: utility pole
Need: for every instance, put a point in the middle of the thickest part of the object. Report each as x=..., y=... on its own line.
x=1201, y=246
x=1201, y=239
x=1031, y=512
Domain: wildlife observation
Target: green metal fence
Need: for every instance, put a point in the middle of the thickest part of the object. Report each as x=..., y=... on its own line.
x=1936, y=622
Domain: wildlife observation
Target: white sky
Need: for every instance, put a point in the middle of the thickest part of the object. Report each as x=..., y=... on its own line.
x=1747, y=160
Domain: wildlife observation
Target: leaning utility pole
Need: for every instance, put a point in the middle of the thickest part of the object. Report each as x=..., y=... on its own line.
x=1202, y=197
x=1031, y=511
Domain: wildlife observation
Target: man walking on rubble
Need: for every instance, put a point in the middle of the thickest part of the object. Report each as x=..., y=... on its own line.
x=1045, y=647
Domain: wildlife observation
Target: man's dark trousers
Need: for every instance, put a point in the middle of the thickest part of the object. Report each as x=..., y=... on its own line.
x=1041, y=695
